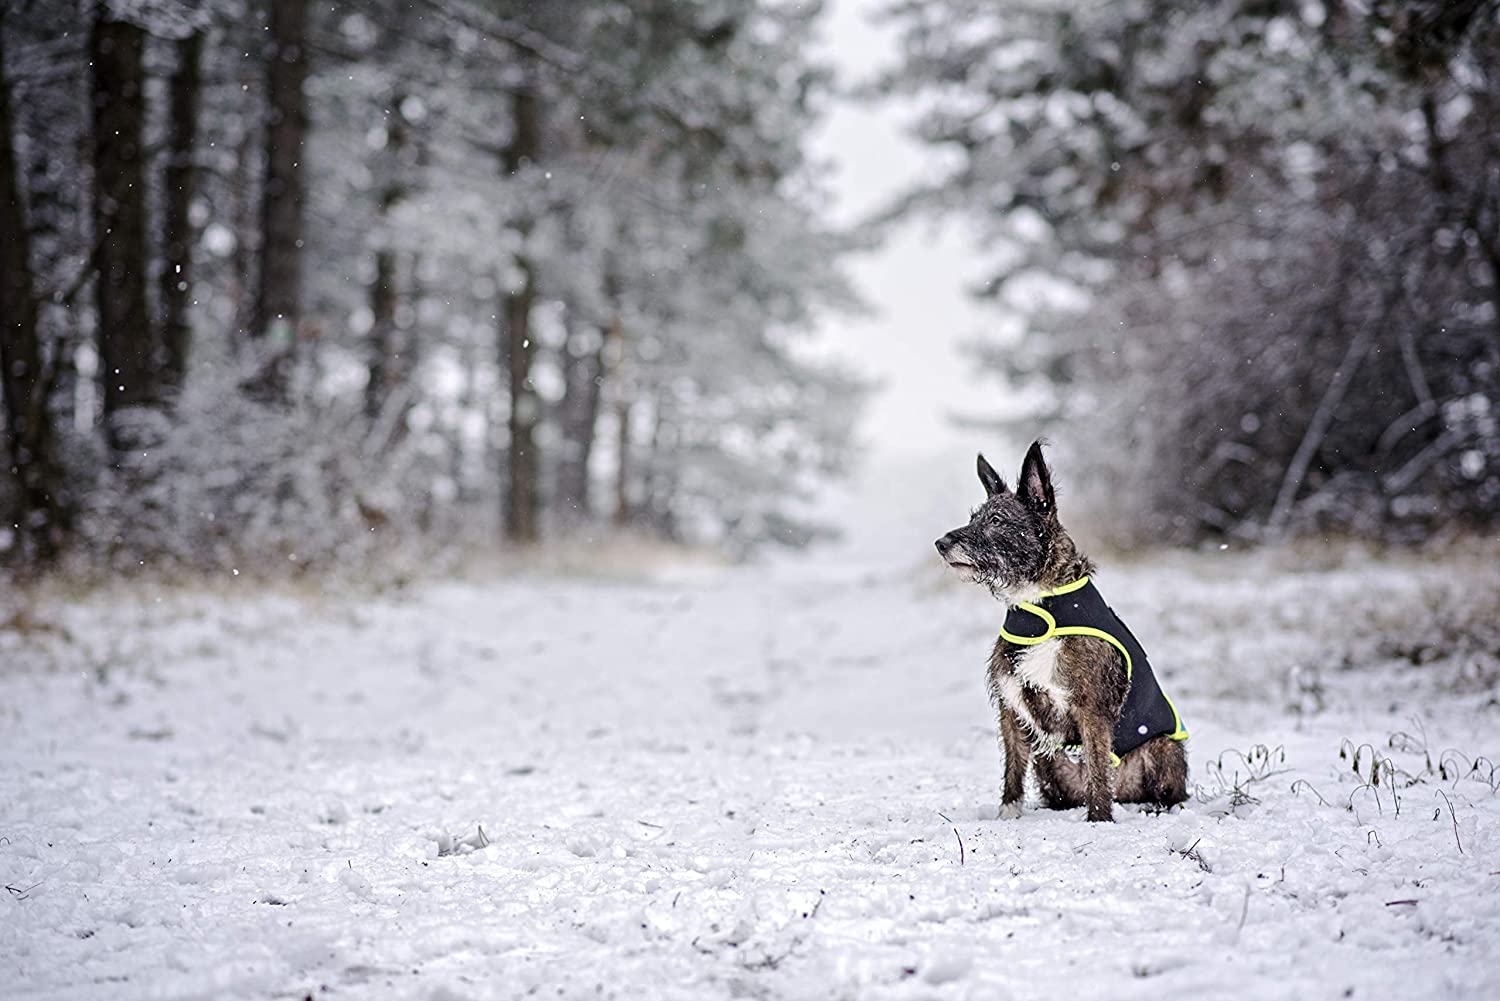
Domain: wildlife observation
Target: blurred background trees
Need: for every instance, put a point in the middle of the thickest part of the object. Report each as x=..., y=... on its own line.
x=285, y=283
x=283, y=280
x=1246, y=250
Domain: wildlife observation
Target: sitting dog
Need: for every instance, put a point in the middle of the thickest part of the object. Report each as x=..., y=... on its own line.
x=1075, y=693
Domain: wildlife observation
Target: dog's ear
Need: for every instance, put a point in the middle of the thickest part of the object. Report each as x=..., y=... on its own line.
x=1036, y=483
x=993, y=484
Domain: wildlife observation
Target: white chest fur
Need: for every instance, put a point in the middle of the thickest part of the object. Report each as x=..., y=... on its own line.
x=1035, y=668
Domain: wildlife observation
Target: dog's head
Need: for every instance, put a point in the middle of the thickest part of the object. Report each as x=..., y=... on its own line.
x=1009, y=538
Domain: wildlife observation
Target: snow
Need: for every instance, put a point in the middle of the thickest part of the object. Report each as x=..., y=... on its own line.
x=739, y=782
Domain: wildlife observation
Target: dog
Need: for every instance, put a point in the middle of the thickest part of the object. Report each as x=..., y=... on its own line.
x=1076, y=697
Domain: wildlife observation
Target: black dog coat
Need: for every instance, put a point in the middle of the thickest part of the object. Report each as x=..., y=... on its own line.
x=1078, y=609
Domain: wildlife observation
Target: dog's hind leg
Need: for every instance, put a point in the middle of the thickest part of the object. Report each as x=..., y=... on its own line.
x=1061, y=782
x=1017, y=756
x=1156, y=772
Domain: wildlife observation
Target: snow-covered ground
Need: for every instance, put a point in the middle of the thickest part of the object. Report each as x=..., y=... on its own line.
x=764, y=782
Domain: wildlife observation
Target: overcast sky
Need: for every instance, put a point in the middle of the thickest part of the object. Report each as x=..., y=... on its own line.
x=916, y=282
x=916, y=477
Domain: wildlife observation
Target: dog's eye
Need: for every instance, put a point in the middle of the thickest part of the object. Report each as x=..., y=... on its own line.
x=995, y=519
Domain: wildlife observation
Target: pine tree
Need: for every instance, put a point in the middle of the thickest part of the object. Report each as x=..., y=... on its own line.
x=178, y=186
x=25, y=379
x=129, y=356
x=1227, y=245
x=278, y=299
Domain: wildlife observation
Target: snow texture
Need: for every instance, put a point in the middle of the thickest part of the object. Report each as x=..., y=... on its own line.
x=753, y=782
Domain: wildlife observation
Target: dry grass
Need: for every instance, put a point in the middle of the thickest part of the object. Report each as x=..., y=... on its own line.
x=34, y=614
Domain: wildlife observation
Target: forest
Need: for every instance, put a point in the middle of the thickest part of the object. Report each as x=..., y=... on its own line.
x=471, y=471
x=296, y=283
x=286, y=281
x=1245, y=255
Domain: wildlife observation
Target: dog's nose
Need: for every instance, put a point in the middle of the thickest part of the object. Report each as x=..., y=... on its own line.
x=944, y=544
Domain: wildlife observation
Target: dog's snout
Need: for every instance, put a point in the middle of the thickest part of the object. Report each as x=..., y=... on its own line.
x=944, y=544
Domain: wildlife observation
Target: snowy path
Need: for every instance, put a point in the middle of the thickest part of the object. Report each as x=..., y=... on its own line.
x=734, y=786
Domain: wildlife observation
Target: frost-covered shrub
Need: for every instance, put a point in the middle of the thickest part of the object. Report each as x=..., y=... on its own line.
x=1247, y=253
x=234, y=482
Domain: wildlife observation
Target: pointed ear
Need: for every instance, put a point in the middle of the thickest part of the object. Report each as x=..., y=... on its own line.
x=993, y=484
x=1036, y=482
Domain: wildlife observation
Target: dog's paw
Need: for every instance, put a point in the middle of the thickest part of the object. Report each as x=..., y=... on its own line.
x=1010, y=811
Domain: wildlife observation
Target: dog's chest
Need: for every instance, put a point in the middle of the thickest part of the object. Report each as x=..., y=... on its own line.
x=1037, y=668
x=1033, y=687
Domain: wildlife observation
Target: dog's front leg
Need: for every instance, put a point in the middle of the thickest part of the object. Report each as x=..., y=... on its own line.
x=1017, y=756
x=1098, y=741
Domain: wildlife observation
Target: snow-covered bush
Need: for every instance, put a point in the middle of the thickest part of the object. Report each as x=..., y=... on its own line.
x=233, y=482
x=1249, y=252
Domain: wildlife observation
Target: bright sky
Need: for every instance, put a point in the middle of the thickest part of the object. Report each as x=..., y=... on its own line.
x=916, y=282
x=915, y=478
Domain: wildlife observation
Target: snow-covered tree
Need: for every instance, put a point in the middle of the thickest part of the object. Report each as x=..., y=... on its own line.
x=1237, y=239
x=554, y=260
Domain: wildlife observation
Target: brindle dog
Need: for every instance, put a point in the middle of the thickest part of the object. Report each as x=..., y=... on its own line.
x=1066, y=691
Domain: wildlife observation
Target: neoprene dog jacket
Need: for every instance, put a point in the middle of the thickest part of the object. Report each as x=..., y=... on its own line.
x=1078, y=609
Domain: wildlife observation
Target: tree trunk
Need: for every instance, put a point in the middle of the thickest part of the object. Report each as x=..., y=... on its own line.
x=624, y=510
x=278, y=301
x=242, y=210
x=176, y=280
x=128, y=356
x=388, y=366
x=382, y=334
x=518, y=345
x=583, y=378
x=521, y=465
x=659, y=486
x=37, y=511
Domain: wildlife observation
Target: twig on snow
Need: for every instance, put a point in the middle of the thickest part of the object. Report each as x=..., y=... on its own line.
x=1191, y=852
x=956, y=835
x=770, y=961
x=1304, y=784
x=1454, y=816
x=449, y=845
